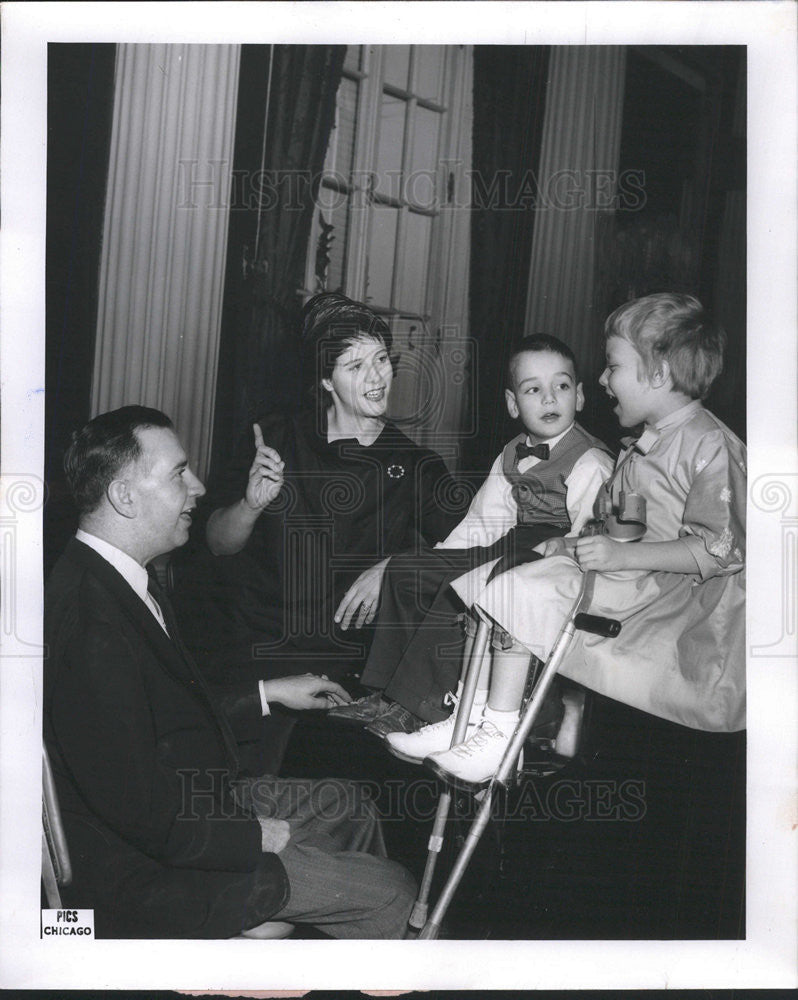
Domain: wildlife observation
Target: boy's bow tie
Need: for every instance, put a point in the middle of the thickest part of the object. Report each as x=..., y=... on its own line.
x=525, y=450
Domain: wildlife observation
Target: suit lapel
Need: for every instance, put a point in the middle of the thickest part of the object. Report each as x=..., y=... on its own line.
x=135, y=609
x=172, y=655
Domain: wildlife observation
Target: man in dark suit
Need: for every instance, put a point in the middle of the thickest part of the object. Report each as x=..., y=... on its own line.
x=167, y=838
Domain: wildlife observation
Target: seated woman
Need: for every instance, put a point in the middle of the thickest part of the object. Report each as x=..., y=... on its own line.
x=304, y=520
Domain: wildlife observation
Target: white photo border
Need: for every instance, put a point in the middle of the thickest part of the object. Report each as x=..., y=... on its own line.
x=767, y=957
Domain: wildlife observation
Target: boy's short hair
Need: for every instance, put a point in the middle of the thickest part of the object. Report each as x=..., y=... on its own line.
x=540, y=343
x=330, y=322
x=105, y=445
x=676, y=328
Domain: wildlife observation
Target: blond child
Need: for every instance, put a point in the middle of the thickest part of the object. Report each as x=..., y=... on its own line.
x=679, y=592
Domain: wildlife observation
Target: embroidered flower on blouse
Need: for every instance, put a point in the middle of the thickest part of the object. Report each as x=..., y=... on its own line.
x=699, y=465
x=396, y=471
x=725, y=495
x=722, y=547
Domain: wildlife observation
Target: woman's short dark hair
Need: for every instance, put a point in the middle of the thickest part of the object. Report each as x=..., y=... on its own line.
x=330, y=323
x=105, y=445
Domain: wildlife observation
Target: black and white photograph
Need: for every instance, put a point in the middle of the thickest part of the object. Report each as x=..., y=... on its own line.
x=399, y=496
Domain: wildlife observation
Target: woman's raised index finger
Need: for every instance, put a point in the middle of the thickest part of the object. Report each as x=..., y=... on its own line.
x=262, y=449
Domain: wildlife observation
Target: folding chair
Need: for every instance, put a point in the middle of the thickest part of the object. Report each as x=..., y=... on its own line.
x=56, y=866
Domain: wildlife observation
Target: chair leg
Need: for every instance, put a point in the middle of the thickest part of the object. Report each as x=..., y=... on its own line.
x=48, y=877
x=569, y=735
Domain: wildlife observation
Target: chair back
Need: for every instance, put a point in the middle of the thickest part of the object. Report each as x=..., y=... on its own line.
x=56, y=866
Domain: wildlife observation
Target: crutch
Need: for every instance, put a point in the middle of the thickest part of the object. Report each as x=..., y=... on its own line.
x=476, y=650
x=578, y=619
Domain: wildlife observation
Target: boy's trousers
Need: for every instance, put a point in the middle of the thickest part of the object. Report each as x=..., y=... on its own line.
x=417, y=652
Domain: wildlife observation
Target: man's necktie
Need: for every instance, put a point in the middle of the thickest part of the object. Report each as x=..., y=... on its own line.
x=540, y=451
x=154, y=604
x=160, y=602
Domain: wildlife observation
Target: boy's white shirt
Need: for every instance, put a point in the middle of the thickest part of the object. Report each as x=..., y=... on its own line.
x=493, y=511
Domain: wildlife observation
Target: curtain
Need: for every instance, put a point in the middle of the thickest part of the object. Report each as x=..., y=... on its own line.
x=292, y=89
x=579, y=183
x=728, y=396
x=80, y=98
x=509, y=104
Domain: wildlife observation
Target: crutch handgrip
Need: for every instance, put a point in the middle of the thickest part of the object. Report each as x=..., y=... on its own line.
x=607, y=627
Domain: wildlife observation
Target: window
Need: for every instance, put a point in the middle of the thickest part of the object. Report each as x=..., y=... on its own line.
x=387, y=215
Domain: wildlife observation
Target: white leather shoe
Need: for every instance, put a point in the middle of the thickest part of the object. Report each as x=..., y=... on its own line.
x=414, y=747
x=474, y=761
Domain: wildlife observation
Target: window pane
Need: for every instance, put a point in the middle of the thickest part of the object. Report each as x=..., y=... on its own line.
x=395, y=64
x=339, y=217
x=341, y=148
x=429, y=60
x=382, y=250
x=354, y=57
x=388, y=166
x=417, y=394
x=419, y=187
x=416, y=263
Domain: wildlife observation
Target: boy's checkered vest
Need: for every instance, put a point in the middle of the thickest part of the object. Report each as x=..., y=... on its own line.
x=539, y=493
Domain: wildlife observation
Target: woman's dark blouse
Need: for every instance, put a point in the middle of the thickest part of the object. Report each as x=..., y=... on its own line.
x=342, y=508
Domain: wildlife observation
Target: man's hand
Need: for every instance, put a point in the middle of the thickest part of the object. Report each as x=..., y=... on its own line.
x=305, y=691
x=362, y=599
x=265, y=474
x=601, y=553
x=274, y=834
